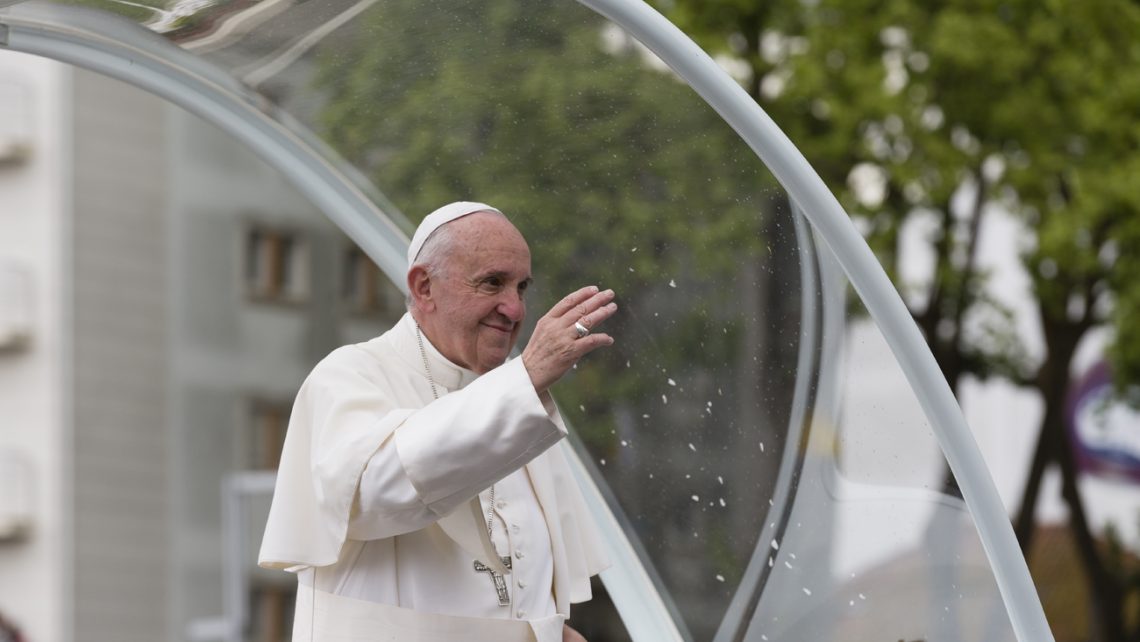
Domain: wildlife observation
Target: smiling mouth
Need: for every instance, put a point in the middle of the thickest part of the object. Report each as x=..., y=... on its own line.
x=495, y=327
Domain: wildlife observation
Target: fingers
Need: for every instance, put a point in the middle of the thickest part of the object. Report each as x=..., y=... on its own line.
x=593, y=319
x=570, y=300
x=580, y=303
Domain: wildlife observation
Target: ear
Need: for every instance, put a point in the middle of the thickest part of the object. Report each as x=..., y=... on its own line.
x=419, y=285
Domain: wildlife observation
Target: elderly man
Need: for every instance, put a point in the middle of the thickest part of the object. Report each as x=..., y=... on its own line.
x=418, y=497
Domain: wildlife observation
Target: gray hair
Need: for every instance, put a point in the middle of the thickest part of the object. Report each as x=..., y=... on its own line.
x=434, y=256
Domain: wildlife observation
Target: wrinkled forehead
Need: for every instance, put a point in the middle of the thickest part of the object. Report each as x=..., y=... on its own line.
x=489, y=239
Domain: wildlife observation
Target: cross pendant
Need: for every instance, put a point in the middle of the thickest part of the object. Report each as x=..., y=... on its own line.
x=497, y=579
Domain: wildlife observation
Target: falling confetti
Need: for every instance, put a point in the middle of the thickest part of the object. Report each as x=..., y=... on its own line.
x=719, y=578
x=672, y=283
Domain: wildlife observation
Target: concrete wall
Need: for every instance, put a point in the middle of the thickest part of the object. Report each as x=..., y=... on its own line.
x=34, y=397
x=121, y=474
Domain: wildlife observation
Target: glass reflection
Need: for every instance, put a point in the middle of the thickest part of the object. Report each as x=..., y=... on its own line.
x=874, y=548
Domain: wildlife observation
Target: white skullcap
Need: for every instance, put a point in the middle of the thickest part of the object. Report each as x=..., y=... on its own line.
x=438, y=219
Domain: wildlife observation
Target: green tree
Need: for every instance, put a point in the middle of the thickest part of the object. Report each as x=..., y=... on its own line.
x=1023, y=105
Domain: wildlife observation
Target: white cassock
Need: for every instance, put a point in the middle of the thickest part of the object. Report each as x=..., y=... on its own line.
x=378, y=510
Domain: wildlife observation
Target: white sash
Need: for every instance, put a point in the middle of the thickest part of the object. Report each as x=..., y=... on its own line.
x=335, y=618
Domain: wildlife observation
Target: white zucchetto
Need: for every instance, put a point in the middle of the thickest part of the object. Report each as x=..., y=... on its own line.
x=439, y=218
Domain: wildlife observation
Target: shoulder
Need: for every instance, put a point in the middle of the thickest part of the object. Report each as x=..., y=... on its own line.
x=376, y=360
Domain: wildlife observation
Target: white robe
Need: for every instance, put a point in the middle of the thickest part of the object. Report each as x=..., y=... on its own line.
x=366, y=412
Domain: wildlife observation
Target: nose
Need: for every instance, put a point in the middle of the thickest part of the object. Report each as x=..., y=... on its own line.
x=512, y=306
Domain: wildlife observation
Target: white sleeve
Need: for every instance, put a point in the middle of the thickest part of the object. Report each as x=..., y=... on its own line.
x=444, y=454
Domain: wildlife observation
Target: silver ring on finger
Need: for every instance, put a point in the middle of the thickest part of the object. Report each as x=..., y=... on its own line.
x=580, y=329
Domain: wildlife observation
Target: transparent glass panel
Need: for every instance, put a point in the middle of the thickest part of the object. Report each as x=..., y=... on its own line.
x=618, y=175
x=876, y=545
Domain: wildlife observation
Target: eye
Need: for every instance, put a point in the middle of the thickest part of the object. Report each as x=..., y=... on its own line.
x=492, y=283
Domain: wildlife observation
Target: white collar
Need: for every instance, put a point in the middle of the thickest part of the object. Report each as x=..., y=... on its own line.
x=446, y=374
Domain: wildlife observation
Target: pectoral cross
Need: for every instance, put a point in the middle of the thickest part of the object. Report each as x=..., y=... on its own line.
x=497, y=579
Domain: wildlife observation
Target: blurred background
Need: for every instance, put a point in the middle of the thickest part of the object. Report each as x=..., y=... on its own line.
x=164, y=291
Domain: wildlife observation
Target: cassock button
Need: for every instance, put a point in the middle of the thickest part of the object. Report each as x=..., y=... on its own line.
x=515, y=528
x=522, y=614
x=522, y=584
x=518, y=553
x=500, y=504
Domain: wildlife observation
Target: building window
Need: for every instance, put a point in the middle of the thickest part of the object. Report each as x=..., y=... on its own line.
x=276, y=265
x=366, y=290
x=268, y=422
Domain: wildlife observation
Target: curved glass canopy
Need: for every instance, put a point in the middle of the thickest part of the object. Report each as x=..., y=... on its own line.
x=766, y=451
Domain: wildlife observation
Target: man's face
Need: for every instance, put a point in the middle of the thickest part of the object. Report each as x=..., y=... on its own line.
x=476, y=306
